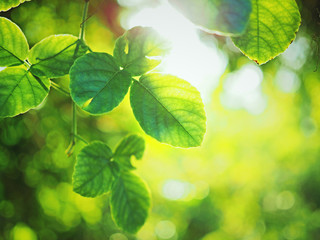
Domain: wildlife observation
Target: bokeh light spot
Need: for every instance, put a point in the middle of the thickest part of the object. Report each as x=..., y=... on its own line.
x=165, y=229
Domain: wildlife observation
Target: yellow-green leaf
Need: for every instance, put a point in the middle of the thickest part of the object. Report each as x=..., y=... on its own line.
x=53, y=56
x=13, y=44
x=5, y=5
x=169, y=109
x=140, y=50
x=272, y=27
x=20, y=91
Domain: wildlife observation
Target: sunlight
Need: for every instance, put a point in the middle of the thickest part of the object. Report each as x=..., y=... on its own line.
x=287, y=81
x=165, y=229
x=175, y=189
x=190, y=58
x=242, y=90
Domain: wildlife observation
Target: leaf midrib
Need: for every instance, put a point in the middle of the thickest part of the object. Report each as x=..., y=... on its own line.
x=157, y=100
x=96, y=174
x=107, y=83
x=11, y=54
x=19, y=81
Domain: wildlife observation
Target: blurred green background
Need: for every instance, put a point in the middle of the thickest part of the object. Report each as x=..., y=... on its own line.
x=256, y=176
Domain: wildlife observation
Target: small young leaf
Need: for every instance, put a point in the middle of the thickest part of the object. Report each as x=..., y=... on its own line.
x=130, y=202
x=93, y=172
x=140, y=50
x=20, y=91
x=229, y=17
x=271, y=29
x=13, y=44
x=5, y=5
x=53, y=56
x=97, y=85
x=169, y=109
x=132, y=145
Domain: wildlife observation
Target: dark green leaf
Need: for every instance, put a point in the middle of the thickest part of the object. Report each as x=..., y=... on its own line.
x=169, y=109
x=13, y=44
x=20, y=91
x=132, y=145
x=228, y=17
x=53, y=56
x=130, y=202
x=93, y=172
x=271, y=29
x=140, y=50
x=5, y=5
x=97, y=84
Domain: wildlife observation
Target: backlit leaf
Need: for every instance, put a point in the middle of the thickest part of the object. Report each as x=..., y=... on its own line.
x=97, y=84
x=140, y=50
x=169, y=109
x=53, y=56
x=225, y=16
x=130, y=202
x=93, y=172
x=271, y=29
x=13, y=44
x=5, y=5
x=132, y=145
x=20, y=91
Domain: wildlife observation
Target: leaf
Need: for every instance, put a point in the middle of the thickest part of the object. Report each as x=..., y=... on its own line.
x=5, y=5
x=93, y=171
x=53, y=56
x=140, y=50
x=13, y=43
x=97, y=84
x=271, y=29
x=20, y=91
x=169, y=109
x=229, y=17
x=132, y=145
x=130, y=202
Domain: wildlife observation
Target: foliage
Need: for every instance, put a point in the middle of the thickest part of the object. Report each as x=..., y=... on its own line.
x=5, y=5
x=272, y=27
x=166, y=107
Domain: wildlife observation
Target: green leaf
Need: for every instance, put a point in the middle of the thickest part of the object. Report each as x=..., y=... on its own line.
x=20, y=91
x=5, y=5
x=169, y=109
x=13, y=44
x=53, y=56
x=130, y=202
x=228, y=17
x=97, y=85
x=93, y=171
x=140, y=50
x=132, y=145
x=271, y=29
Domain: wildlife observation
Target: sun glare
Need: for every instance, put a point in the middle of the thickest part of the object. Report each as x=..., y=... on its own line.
x=189, y=58
x=243, y=90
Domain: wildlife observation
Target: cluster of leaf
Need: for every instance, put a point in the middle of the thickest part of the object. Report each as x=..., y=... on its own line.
x=261, y=29
x=24, y=84
x=166, y=107
x=99, y=171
